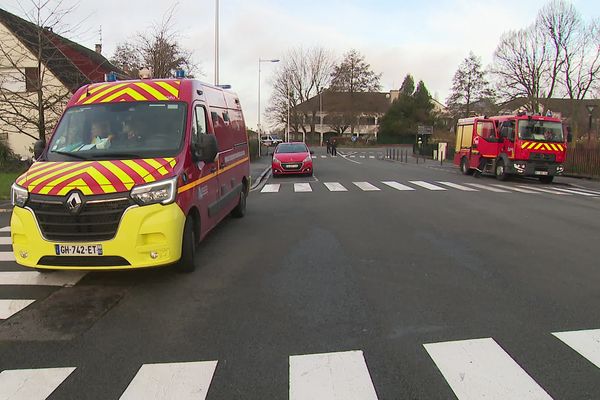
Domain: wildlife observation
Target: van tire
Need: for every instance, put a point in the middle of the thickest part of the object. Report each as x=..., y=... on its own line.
x=500, y=171
x=546, y=179
x=464, y=167
x=189, y=245
x=240, y=210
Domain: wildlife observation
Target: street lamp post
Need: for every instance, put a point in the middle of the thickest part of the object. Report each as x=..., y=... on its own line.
x=590, y=108
x=216, y=42
x=260, y=60
x=287, y=136
x=321, y=114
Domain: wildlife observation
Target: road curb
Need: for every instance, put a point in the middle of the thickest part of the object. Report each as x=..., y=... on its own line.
x=260, y=178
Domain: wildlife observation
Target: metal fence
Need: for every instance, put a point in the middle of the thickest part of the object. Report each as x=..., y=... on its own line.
x=583, y=160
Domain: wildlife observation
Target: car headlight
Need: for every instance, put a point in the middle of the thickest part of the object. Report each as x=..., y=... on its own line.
x=276, y=161
x=307, y=159
x=162, y=192
x=18, y=195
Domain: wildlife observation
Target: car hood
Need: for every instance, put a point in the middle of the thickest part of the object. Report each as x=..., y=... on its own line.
x=291, y=157
x=94, y=177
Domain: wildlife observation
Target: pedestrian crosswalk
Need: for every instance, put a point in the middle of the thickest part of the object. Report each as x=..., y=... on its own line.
x=473, y=369
x=13, y=275
x=435, y=186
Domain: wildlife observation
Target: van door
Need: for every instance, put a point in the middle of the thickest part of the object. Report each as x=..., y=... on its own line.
x=488, y=142
x=206, y=193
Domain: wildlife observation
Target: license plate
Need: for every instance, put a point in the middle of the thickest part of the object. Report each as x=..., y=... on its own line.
x=292, y=165
x=78, y=249
x=541, y=172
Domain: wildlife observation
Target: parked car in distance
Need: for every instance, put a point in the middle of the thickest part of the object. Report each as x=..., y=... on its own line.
x=270, y=140
x=292, y=158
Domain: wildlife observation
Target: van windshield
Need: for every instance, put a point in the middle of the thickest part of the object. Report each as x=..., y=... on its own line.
x=541, y=131
x=119, y=130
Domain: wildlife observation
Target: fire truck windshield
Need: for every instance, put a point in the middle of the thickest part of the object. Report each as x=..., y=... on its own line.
x=119, y=130
x=541, y=131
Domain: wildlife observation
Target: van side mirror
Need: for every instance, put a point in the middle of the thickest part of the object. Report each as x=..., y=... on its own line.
x=38, y=148
x=206, y=149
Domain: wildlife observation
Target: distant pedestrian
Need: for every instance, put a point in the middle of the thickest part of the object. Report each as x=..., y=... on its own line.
x=328, y=147
x=334, y=148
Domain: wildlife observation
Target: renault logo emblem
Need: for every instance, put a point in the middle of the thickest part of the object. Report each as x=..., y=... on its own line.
x=74, y=203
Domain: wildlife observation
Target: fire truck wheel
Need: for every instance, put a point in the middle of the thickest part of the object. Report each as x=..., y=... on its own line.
x=464, y=167
x=187, y=262
x=501, y=174
x=546, y=179
x=240, y=210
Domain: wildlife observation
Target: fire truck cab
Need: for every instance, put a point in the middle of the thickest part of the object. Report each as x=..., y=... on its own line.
x=524, y=145
x=135, y=174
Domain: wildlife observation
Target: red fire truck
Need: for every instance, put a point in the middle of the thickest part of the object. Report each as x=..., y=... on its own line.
x=522, y=144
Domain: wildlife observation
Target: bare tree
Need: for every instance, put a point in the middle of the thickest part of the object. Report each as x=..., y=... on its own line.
x=32, y=97
x=302, y=76
x=158, y=48
x=354, y=75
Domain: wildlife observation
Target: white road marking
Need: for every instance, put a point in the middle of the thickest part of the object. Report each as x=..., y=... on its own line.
x=352, y=156
x=11, y=307
x=31, y=384
x=323, y=156
x=331, y=376
x=5, y=229
x=5, y=240
x=366, y=186
x=371, y=156
x=459, y=187
x=302, y=187
x=544, y=190
x=574, y=192
x=335, y=187
x=182, y=381
x=56, y=278
x=7, y=256
x=427, y=186
x=271, y=188
x=397, y=186
x=481, y=369
x=586, y=343
x=490, y=188
x=516, y=189
x=362, y=156
x=582, y=189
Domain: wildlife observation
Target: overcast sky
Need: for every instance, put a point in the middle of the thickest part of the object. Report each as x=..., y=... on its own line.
x=425, y=38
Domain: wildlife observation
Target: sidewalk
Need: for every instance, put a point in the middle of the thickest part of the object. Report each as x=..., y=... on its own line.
x=258, y=167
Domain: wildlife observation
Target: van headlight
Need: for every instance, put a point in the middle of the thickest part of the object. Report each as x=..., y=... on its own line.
x=18, y=195
x=162, y=192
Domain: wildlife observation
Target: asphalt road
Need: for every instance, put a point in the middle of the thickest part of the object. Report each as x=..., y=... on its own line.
x=413, y=289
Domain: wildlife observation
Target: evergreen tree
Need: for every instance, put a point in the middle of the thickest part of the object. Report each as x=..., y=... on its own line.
x=469, y=86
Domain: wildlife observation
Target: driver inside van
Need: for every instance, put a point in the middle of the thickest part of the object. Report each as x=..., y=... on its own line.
x=100, y=135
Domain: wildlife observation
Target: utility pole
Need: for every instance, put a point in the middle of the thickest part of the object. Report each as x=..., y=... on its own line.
x=216, y=42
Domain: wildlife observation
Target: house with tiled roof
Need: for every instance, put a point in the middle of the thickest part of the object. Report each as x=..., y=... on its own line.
x=35, y=59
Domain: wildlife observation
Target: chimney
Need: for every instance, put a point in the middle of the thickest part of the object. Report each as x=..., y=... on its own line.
x=99, y=48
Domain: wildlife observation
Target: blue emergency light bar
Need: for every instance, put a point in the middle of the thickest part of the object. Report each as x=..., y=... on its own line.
x=111, y=77
x=224, y=86
x=180, y=74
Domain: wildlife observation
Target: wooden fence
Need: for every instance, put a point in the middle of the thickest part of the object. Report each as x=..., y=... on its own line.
x=583, y=160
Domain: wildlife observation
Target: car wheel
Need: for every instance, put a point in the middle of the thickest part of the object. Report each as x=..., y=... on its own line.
x=501, y=174
x=187, y=262
x=546, y=179
x=464, y=167
x=240, y=210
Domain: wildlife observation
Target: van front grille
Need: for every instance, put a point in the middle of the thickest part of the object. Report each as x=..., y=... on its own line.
x=97, y=220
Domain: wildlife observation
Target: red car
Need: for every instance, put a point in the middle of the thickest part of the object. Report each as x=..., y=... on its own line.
x=292, y=158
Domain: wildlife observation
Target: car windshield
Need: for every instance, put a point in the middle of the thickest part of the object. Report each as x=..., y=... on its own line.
x=541, y=131
x=119, y=130
x=292, y=148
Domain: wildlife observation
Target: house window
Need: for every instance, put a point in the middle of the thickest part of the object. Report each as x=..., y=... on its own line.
x=11, y=80
x=32, y=82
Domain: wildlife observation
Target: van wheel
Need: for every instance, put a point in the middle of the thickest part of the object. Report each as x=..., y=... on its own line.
x=501, y=174
x=187, y=262
x=240, y=210
x=464, y=167
x=546, y=179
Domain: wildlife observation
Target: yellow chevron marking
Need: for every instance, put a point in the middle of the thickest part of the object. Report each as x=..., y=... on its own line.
x=531, y=146
x=93, y=90
x=140, y=170
x=538, y=146
x=172, y=162
x=78, y=184
x=39, y=171
x=169, y=88
x=560, y=146
x=156, y=165
x=524, y=145
x=91, y=171
x=110, y=89
x=130, y=91
x=55, y=173
x=119, y=173
x=158, y=95
x=553, y=147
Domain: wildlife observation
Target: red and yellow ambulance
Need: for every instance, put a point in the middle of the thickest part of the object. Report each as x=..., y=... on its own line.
x=135, y=174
